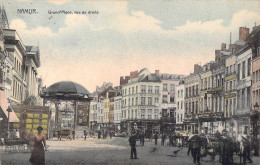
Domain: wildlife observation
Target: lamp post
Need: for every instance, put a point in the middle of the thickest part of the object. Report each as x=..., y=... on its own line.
x=9, y=109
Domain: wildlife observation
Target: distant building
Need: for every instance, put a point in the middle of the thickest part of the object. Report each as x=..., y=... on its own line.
x=179, y=95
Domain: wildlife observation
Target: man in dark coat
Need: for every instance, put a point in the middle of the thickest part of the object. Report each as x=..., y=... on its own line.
x=196, y=144
x=99, y=134
x=155, y=138
x=163, y=139
x=132, y=142
x=85, y=134
x=226, y=148
x=247, y=149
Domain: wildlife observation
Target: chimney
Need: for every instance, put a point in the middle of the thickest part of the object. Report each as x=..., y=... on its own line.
x=217, y=55
x=223, y=46
x=197, y=68
x=133, y=74
x=157, y=72
x=243, y=33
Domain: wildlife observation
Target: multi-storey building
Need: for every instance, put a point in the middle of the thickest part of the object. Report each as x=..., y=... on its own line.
x=243, y=87
x=168, y=97
x=117, y=108
x=253, y=41
x=97, y=105
x=192, y=98
x=179, y=95
x=205, y=120
x=141, y=102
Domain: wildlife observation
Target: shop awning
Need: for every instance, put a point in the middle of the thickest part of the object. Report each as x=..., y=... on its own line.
x=3, y=107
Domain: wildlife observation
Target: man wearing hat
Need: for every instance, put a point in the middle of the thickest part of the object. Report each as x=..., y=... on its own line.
x=132, y=142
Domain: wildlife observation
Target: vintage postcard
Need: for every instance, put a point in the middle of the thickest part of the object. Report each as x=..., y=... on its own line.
x=129, y=82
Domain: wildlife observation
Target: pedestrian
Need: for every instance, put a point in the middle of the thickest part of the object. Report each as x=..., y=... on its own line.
x=132, y=142
x=38, y=155
x=85, y=134
x=246, y=149
x=163, y=139
x=195, y=148
x=142, y=139
x=110, y=134
x=226, y=151
x=155, y=138
x=17, y=134
x=73, y=134
x=99, y=134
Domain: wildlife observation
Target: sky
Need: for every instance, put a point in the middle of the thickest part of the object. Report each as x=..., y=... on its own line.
x=170, y=36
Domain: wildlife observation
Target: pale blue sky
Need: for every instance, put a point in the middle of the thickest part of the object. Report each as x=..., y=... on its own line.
x=127, y=35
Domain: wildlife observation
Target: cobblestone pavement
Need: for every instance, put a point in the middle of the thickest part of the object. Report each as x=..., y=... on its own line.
x=108, y=152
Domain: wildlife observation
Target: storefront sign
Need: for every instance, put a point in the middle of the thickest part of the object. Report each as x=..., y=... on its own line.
x=230, y=95
x=230, y=77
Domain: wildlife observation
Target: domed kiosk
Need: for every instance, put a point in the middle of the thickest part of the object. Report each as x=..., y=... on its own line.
x=66, y=91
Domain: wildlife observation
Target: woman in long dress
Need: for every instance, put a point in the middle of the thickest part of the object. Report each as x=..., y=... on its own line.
x=38, y=155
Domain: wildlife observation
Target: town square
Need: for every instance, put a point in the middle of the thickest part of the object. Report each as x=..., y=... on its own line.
x=129, y=82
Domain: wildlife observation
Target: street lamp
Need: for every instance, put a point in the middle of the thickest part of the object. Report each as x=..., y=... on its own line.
x=9, y=109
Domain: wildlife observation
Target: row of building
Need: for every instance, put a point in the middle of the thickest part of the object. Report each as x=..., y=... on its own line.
x=20, y=103
x=222, y=94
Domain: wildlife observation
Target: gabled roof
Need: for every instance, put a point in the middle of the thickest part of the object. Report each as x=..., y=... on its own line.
x=151, y=78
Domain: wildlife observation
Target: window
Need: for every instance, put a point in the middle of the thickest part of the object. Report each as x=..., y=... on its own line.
x=149, y=114
x=227, y=70
x=157, y=89
x=129, y=91
x=172, y=98
x=165, y=100
x=132, y=101
x=178, y=105
x=230, y=85
x=135, y=113
x=256, y=76
x=186, y=93
x=186, y=108
x=249, y=67
x=206, y=83
x=164, y=87
x=133, y=90
x=243, y=98
x=197, y=89
x=197, y=107
x=136, y=101
x=156, y=112
x=172, y=87
x=243, y=69
x=181, y=117
x=231, y=69
x=178, y=94
x=253, y=78
x=248, y=96
x=238, y=71
x=150, y=100
x=227, y=85
x=142, y=100
x=143, y=90
x=181, y=104
x=136, y=90
x=142, y=113
x=150, y=89
x=129, y=102
x=156, y=100
x=193, y=90
x=189, y=91
x=182, y=92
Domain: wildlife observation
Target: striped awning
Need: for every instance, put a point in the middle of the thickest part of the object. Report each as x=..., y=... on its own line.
x=3, y=107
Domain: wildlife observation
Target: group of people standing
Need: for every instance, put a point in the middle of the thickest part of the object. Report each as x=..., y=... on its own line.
x=199, y=146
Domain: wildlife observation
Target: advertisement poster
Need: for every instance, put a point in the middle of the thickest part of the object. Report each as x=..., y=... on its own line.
x=129, y=82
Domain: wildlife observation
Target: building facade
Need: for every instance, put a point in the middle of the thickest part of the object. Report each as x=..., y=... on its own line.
x=141, y=102
x=179, y=95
